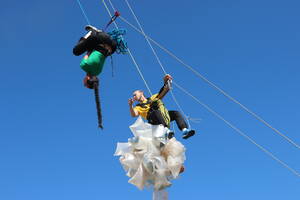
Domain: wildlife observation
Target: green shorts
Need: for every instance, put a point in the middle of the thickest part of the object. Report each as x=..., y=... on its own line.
x=93, y=65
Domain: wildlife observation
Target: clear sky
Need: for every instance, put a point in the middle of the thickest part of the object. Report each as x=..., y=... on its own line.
x=51, y=148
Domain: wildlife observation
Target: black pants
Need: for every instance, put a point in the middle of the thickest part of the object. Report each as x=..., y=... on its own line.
x=93, y=42
x=156, y=118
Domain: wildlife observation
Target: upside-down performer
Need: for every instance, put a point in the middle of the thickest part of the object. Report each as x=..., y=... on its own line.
x=97, y=45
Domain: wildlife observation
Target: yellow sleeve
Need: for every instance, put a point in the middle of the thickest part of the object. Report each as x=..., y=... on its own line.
x=142, y=111
x=137, y=108
x=153, y=97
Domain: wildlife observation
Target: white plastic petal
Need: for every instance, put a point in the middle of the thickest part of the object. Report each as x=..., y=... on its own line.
x=149, y=158
x=122, y=148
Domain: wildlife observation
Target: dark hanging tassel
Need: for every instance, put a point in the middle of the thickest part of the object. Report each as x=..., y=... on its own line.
x=98, y=105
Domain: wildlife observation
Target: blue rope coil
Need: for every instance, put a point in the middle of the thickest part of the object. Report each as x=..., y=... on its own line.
x=117, y=35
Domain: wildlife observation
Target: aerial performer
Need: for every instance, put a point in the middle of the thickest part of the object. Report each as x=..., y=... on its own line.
x=97, y=46
x=153, y=157
x=154, y=110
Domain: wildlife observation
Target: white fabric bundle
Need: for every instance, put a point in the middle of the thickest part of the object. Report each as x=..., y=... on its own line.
x=149, y=158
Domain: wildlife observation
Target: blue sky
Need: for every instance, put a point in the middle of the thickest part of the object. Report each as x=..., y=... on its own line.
x=51, y=148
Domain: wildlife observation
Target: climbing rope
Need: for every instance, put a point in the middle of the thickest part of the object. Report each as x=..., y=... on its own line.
x=197, y=100
x=260, y=119
x=130, y=54
x=112, y=19
x=238, y=131
x=117, y=35
x=83, y=12
x=156, y=56
x=234, y=127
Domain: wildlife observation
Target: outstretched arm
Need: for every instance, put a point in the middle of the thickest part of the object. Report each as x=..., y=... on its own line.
x=165, y=89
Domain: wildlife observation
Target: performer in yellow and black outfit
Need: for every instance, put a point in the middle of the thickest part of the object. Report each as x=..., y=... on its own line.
x=154, y=110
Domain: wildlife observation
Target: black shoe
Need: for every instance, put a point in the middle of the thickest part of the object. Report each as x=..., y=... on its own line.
x=170, y=135
x=188, y=134
x=91, y=28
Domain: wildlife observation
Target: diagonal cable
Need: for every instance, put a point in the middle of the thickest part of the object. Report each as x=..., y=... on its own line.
x=228, y=123
x=83, y=12
x=239, y=131
x=154, y=53
x=130, y=54
x=142, y=30
x=214, y=85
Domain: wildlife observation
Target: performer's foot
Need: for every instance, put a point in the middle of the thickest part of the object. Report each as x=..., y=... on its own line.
x=91, y=28
x=188, y=133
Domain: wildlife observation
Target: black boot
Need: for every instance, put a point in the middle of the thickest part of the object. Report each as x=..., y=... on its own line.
x=188, y=134
x=91, y=28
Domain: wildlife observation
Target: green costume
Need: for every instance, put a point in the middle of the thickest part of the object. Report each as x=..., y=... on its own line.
x=93, y=65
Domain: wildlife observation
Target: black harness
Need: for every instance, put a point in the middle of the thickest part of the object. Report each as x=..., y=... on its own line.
x=153, y=106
